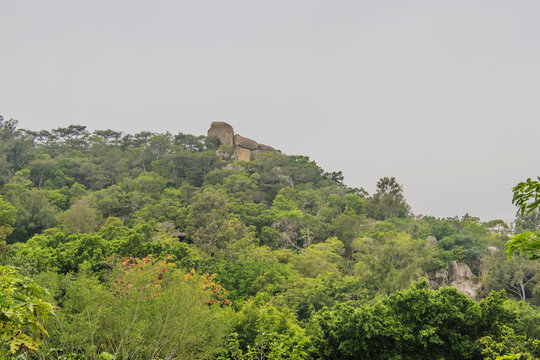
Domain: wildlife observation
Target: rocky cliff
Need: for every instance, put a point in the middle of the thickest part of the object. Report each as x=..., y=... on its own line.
x=245, y=149
x=458, y=275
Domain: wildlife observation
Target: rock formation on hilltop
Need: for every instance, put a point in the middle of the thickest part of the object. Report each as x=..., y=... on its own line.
x=223, y=131
x=244, y=149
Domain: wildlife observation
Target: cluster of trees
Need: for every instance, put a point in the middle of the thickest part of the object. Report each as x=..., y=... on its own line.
x=123, y=231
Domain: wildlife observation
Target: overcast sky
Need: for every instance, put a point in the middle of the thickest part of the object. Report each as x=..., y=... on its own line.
x=443, y=95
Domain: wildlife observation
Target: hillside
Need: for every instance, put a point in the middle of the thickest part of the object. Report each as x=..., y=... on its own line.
x=177, y=246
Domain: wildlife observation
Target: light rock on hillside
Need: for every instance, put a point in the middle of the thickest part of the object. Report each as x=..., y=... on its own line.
x=458, y=275
x=245, y=148
x=223, y=131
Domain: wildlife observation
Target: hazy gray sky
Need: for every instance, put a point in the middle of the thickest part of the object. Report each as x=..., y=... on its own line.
x=443, y=95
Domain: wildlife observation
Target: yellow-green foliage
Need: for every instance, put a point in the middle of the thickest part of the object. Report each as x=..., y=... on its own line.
x=22, y=312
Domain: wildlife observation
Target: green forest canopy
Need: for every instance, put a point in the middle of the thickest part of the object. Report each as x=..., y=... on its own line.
x=151, y=246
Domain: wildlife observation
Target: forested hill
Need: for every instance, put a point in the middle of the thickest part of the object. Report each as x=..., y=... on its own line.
x=162, y=246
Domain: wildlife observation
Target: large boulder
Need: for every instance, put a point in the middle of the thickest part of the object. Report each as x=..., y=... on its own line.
x=244, y=149
x=261, y=149
x=243, y=154
x=245, y=142
x=492, y=250
x=459, y=271
x=458, y=275
x=223, y=131
x=468, y=287
x=432, y=240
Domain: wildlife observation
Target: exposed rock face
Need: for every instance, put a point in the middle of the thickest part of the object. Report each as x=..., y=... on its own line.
x=223, y=131
x=458, y=272
x=468, y=287
x=457, y=275
x=492, y=250
x=243, y=154
x=264, y=148
x=245, y=149
x=223, y=155
x=432, y=240
x=245, y=142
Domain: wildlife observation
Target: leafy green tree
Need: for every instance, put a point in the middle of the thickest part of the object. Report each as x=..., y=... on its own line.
x=246, y=278
x=471, y=241
x=288, y=220
x=389, y=200
x=190, y=142
x=272, y=176
x=35, y=214
x=518, y=276
x=306, y=296
x=73, y=136
x=323, y=258
x=264, y=332
x=207, y=216
x=22, y=312
x=240, y=186
x=41, y=169
x=309, y=199
x=65, y=253
x=346, y=228
x=8, y=217
x=388, y=262
x=527, y=322
x=109, y=136
x=509, y=347
x=81, y=217
x=252, y=214
x=527, y=199
x=528, y=222
x=526, y=243
x=526, y=196
x=415, y=324
x=113, y=228
x=285, y=237
x=150, y=184
x=147, y=309
x=16, y=149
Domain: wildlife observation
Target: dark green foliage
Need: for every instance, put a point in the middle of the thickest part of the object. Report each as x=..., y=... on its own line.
x=246, y=279
x=34, y=214
x=418, y=323
x=528, y=222
x=389, y=200
x=16, y=149
x=67, y=253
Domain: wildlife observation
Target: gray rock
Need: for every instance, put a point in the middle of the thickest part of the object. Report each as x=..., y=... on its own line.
x=223, y=155
x=458, y=275
x=441, y=276
x=244, y=149
x=243, y=154
x=265, y=148
x=223, y=131
x=245, y=142
x=492, y=250
x=468, y=287
x=458, y=271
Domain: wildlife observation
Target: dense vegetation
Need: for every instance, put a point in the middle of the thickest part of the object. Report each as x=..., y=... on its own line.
x=151, y=246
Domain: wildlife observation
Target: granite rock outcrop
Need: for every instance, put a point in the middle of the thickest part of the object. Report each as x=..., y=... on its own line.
x=458, y=275
x=223, y=131
x=245, y=149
